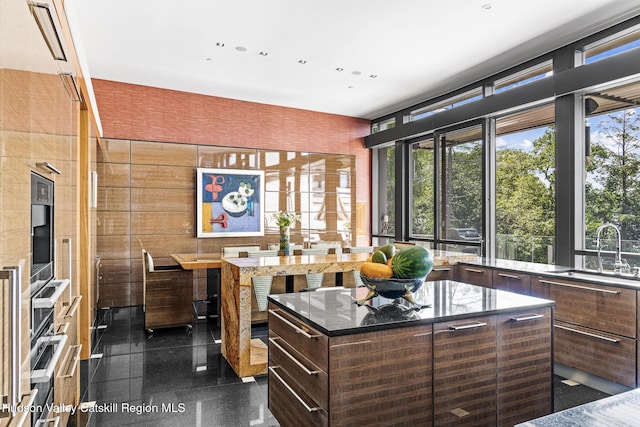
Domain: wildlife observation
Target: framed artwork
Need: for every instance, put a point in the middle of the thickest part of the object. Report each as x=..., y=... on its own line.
x=230, y=202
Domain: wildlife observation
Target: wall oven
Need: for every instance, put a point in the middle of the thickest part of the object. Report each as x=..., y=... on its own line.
x=42, y=237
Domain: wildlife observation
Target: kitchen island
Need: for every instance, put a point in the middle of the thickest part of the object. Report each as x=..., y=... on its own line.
x=473, y=356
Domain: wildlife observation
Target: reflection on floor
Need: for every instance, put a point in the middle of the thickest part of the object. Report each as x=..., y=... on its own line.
x=176, y=377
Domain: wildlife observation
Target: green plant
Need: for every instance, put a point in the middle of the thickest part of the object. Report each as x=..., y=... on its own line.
x=284, y=219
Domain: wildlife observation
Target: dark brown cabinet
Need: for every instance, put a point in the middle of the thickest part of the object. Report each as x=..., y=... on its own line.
x=595, y=327
x=488, y=370
x=507, y=280
x=464, y=372
x=441, y=273
x=481, y=276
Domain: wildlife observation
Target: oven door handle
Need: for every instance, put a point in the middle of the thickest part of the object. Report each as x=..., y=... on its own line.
x=60, y=286
x=45, y=374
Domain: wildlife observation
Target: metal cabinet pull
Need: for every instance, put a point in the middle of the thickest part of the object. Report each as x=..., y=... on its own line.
x=473, y=270
x=76, y=359
x=295, y=327
x=74, y=307
x=510, y=276
x=611, y=340
x=13, y=275
x=441, y=269
x=62, y=329
x=272, y=369
x=70, y=256
x=290, y=356
x=471, y=326
x=527, y=317
x=586, y=288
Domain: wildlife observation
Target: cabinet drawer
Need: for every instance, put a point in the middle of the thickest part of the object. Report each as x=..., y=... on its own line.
x=65, y=390
x=604, y=308
x=464, y=372
x=290, y=404
x=311, y=378
x=606, y=355
x=441, y=273
x=312, y=344
x=475, y=275
x=512, y=282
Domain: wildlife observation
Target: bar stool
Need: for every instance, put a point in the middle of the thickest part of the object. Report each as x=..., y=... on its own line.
x=358, y=250
x=314, y=280
x=261, y=284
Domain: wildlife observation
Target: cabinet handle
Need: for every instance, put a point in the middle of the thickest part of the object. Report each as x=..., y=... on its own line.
x=471, y=326
x=527, y=317
x=272, y=369
x=290, y=356
x=510, y=276
x=49, y=422
x=586, y=288
x=473, y=270
x=441, y=269
x=62, y=329
x=611, y=340
x=76, y=360
x=295, y=327
x=74, y=307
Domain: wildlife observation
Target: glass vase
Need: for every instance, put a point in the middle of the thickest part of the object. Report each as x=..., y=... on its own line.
x=284, y=239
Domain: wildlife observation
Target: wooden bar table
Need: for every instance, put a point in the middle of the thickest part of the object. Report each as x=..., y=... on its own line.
x=249, y=357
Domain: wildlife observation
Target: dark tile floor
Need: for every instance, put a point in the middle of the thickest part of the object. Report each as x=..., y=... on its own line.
x=177, y=377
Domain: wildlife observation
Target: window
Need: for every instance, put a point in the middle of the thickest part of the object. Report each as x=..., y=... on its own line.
x=613, y=45
x=422, y=189
x=525, y=190
x=461, y=189
x=384, y=224
x=447, y=104
x=612, y=184
x=524, y=77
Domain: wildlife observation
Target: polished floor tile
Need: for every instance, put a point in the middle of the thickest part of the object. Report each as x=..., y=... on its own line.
x=178, y=377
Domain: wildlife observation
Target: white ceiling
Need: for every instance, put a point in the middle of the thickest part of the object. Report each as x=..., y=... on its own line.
x=416, y=48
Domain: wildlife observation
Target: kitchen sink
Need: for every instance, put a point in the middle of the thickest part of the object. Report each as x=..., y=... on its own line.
x=594, y=276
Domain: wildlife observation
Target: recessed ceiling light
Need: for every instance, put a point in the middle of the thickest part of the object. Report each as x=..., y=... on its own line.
x=339, y=69
x=487, y=6
x=220, y=44
x=356, y=73
x=350, y=87
x=263, y=53
x=241, y=48
x=373, y=76
x=302, y=61
x=209, y=59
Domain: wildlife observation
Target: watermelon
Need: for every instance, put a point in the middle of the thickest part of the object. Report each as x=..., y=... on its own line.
x=412, y=263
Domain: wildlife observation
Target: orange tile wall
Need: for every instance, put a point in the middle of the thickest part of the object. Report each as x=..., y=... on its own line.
x=136, y=112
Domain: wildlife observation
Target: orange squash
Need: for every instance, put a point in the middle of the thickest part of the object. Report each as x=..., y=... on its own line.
x=374, y=269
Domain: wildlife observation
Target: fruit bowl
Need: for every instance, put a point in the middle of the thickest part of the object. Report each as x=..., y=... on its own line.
x=391, y=288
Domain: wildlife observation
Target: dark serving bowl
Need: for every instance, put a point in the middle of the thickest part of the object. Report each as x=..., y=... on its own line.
x=391, y=288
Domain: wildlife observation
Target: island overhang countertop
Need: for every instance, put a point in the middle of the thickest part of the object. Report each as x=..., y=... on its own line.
x=335, y=313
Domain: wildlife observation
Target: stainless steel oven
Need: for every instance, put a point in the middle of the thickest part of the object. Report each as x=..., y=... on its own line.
x=45, y=353
x=42, y=231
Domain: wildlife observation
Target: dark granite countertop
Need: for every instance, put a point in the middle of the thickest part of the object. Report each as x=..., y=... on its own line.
x=333, y=311
x=560, y=272
x=621, y=410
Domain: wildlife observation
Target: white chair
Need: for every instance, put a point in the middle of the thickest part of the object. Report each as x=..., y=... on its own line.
x=234, y=251
x=359, y=250
x=292, y=247
x=261, y=284
x=314, y=280
x=333, y=245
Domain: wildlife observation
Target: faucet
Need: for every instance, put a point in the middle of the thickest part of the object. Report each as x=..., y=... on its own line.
x=619, y=264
